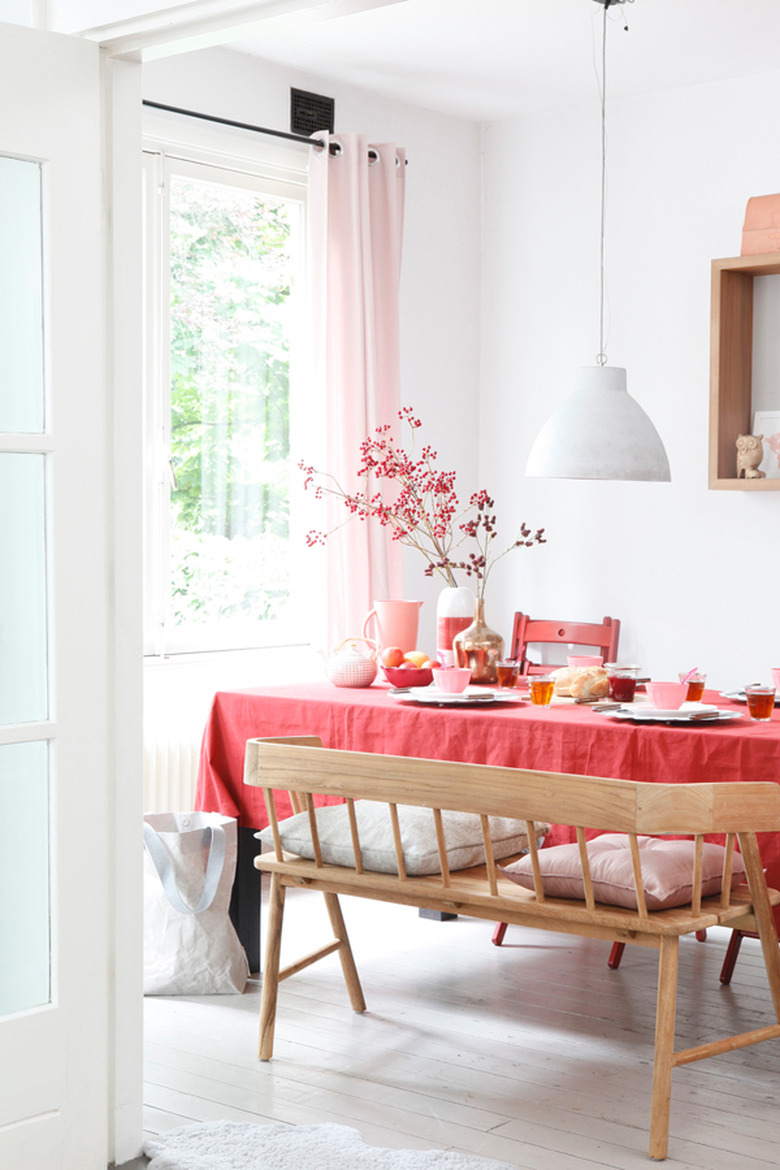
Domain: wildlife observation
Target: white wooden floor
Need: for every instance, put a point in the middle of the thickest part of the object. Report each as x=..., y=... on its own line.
x=533, y=1053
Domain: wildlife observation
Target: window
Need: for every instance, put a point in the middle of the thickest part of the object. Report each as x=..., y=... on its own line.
x=224, y=247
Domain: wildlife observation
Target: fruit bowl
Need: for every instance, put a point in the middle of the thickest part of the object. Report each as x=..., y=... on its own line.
x=408, y=676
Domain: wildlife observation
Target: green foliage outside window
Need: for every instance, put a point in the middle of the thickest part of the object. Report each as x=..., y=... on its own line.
x=230, y=323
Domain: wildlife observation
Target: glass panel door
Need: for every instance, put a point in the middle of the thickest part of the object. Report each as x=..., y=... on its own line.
x=21, y=296
x=25, y=904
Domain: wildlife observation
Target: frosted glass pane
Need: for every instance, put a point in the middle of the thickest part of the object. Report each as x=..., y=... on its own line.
x=23, y=636
x=21, y=300
x=25, y=935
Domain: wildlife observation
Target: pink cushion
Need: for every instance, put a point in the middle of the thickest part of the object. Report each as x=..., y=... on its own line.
x=667, y=871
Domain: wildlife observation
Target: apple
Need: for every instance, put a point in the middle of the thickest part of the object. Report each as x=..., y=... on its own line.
x=392, y=656
x=431, y=664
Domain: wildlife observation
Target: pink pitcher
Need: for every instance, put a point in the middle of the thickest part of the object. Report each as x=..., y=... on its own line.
x=396, y=623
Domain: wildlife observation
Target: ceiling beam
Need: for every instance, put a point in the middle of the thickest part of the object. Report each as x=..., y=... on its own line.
x=199, y=24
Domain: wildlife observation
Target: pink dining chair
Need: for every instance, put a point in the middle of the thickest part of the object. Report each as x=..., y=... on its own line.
x=600, y=636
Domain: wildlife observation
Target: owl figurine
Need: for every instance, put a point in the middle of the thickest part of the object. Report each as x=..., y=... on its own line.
x=750, y=452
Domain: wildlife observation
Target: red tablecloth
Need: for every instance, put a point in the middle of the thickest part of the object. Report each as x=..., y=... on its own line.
x=565, y=738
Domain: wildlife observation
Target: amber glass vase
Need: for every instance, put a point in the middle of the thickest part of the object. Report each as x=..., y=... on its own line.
x=479, y=647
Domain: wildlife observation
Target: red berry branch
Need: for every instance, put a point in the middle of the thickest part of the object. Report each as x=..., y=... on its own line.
x=418, y=502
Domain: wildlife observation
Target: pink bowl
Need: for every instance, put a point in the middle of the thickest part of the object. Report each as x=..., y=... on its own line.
x=454, y=680
x=408, y=676
x=575, y=661
x=666, y=696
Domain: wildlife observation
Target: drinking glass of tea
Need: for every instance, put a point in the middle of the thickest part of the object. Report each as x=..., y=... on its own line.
x=696, y=683
x=760, y=701
x=542, y=687
x=508, y=673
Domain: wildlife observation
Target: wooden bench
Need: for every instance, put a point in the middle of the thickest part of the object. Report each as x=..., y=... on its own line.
x=739, y=810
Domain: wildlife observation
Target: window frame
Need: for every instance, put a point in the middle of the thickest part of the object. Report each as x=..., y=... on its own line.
x=237, y=159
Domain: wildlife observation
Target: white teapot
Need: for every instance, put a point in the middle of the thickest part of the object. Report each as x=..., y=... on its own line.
x=350, y=666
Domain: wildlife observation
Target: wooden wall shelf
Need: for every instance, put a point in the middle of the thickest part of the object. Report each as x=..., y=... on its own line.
x=731, y=366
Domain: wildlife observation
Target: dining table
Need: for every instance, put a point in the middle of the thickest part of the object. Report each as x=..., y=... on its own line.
x=502, y=729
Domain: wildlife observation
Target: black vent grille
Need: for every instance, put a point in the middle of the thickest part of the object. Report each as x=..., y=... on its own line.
x=310, y=112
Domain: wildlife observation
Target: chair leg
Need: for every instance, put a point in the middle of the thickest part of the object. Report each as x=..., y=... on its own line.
x=615, y=955
x=664, y=1046
x=345, y=953
x=271, y=969
x=498, y=934
x=732, y=953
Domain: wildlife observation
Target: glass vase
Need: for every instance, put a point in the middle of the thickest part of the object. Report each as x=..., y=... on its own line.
x=454, y=612
x=479, y=647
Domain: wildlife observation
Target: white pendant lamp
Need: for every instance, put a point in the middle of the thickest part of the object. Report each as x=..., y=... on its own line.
x=600, y=431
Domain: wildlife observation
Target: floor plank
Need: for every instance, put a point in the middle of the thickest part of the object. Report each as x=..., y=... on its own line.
x=534, y=1053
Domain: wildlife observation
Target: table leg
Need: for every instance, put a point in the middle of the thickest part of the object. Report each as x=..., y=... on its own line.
x=245, y=899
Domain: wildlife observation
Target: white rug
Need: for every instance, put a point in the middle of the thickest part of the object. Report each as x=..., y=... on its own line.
x=233, y=1145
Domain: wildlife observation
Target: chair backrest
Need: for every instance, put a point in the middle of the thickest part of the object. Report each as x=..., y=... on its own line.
x=601, y=636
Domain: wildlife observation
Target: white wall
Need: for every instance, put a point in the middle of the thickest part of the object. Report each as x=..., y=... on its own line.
x=688, y=571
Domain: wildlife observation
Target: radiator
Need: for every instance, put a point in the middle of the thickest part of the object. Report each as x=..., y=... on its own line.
x=170, y=772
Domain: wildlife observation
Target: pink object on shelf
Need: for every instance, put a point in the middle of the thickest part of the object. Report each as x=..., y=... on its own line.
x=453, y=680
x=761, y=230
x=666, y=696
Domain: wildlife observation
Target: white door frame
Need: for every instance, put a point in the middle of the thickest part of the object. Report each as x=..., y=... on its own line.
x=96, y=1012
x=124, y=329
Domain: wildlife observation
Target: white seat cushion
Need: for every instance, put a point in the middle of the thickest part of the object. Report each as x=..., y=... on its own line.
x=462, y=833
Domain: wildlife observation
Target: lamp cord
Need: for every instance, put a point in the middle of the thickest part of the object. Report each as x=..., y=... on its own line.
x=602, y=356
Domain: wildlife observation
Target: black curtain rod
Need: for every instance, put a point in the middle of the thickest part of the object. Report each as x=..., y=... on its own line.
x=333, y=146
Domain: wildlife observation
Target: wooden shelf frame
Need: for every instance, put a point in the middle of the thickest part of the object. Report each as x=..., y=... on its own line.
x=731, y=366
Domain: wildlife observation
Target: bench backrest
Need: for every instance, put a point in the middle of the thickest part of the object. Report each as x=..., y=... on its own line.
x=304, y=768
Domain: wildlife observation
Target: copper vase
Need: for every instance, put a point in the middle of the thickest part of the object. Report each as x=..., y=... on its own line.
x=479, y=647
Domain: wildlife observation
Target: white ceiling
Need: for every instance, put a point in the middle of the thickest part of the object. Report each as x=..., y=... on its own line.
x=478, y=59
x=488, y=59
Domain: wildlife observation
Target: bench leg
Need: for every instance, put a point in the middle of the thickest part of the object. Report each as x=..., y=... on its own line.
x=345, y=953
x=664, y=1046
x=271, y=969
x=762, y=909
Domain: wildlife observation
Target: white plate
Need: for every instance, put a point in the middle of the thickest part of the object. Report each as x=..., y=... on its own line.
x=653, y=715
x=741, y=697
x=471, y=697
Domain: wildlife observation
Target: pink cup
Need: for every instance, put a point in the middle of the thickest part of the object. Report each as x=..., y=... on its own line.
x=575, y=661
x=775, y=673
x=666, y=696
x=453, y=680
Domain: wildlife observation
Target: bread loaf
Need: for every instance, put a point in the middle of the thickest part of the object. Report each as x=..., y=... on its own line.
x=589, y=683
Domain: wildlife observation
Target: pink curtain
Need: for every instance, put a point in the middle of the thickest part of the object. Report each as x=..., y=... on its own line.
x=356, y=202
